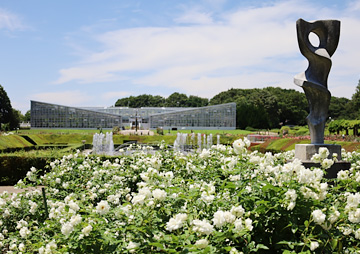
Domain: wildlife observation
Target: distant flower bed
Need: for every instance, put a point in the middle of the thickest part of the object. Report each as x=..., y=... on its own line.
x=222, y=200
x=7, y=133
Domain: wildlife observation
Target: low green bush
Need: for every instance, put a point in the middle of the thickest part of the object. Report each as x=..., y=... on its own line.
x=13, y=168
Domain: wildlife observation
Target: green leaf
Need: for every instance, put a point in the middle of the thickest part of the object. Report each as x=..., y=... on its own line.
x=334, y=243
x=158, y=245
x=262, y=247
x=306, y=223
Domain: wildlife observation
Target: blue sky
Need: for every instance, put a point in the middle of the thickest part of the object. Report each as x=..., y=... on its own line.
x=91, y=53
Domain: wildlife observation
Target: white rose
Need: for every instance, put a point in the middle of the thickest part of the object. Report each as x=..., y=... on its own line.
x=318, y=216
x=314, y=245
x=202, y=243
x=102, y=207
x=86, y=230
x=159, y=194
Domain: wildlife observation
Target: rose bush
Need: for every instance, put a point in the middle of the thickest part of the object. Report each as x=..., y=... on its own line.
x=222, y=200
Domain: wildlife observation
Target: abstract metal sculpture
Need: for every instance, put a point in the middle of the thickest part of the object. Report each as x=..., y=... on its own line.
x=314, y=79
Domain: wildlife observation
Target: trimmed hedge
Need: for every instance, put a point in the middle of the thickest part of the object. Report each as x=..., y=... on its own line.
x=13, y=168
x=286, y=144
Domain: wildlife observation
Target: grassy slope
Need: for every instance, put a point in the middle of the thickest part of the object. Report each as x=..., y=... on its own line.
x=70, y=137
x=287, y=144
x=13, y=141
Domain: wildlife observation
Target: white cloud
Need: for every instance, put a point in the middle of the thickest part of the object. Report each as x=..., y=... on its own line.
x=246, y=48
x=69, y=98
x=10, y=21
x=195, y=17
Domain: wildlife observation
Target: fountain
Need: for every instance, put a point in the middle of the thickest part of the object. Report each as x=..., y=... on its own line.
x=103, y=144
x=186, y=142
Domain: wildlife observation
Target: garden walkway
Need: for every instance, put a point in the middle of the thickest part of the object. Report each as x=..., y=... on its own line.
x=139, y=132
x=11, y=189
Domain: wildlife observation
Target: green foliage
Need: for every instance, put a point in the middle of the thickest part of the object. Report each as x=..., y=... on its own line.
x=14, y=167
x=144, y=100
x=288, y=144
x=339, y=108
x=15, y=120
x=265, y=108
x=160, y=131
x=27, y=116
x=285, y=130
x=299, y=130
x=221, y=200
x=116, y=130
x=13, y=141
x=5, y=107
x=336, y=126
x=174, y=100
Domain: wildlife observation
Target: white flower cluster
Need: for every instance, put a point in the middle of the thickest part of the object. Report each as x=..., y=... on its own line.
x=132, y=246
x=322, y=158
x=197, y=190
x=202, y=243
x=103, y=207
x=24, y=231
x=352, y=207
x=234, y=216
x=145, y=195
x=324, y=221
x=291, y=196
x=208, y=191
x=221, y=218
x=176, y=222
x=202, y=227
x=49, y=248
x=240, y=145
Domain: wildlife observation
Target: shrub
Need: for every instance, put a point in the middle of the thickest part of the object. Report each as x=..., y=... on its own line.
x=221, y=200
x=285, y=130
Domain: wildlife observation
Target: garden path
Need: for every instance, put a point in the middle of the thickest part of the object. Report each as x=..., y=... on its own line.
x=11, y=189
x=139, y=132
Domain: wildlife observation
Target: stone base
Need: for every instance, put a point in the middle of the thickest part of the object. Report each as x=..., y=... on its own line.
x=304, y=152
x=333, y=170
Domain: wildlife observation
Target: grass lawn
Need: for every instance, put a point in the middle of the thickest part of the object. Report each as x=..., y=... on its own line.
x=60, y=131
x=92, y=131
x=214, y=132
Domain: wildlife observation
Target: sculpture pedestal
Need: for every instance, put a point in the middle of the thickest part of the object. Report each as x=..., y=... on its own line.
x=304, y=152
x=333, y=170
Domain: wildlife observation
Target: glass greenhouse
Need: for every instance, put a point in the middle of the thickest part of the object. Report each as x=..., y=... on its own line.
x=46, y=115
x=221, y=116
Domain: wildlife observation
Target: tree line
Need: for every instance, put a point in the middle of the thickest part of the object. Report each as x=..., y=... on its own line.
x=174, y=100
x=265, y=108
x=10, y=118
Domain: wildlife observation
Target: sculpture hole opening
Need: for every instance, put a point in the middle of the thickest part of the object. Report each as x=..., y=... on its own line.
x=314, y=39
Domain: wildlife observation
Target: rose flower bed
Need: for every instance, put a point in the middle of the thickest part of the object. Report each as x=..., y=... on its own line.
x=222, y=200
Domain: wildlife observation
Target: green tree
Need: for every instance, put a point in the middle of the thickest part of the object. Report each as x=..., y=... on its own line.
x=5, y=107
x=27, y=116
x=339, y=108
x=177, y=100
x=196, y=101
x=15, y=119
x=144, y=100
x=157, y=101
x=292, y=106
x=355, y=103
